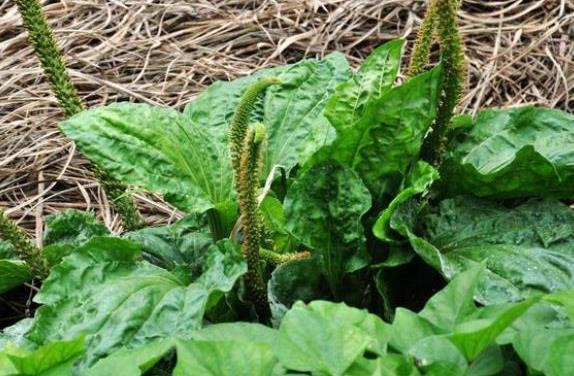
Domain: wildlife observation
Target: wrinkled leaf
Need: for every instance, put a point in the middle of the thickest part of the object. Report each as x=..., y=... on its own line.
x=156, y=149
x=67, y=230
x=105, y=291
x=384, y=142
x=323, y=210
x=417, y=182
x=295, y=280
x=181, y=243
x=375, y=76
x=291, y=112
x=527, y=249
x=517, y=152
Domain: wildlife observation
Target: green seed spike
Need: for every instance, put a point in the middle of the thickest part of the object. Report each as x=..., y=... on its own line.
x=275, y=258
x=42, y=39
x=248, y=186
x=454, y=77
x=421, y=50
x=242, y=116
x=25, y=250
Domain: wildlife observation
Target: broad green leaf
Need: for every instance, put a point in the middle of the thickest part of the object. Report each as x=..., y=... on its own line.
x=435, y=353
x=15, y=334
x=325, y=337
x=13, y=273
x=473, y=337
x=565, y=299
x=181, y=243
x=546, y=350
x=67, y=230
x=274, y=220
x=224, y=358
x=408, y=328
x=105, y=291
x=489, y=362
x=291, y=112
x=517, y=152
x=387, y=138
x=416, y=182
x=131, y=362
x=54, y=359
x=453, y=304
x=72, y=227
x=387, y=365
x=236, y=331
x=560, y=359
x=375, y=76
x=156, y=149
x=295, y=280
x=526, y=249
x=323, y=210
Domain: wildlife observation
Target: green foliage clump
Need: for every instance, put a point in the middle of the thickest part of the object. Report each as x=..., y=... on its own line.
x=469, y=261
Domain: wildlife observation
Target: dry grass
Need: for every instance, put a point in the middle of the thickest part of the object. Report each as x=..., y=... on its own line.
x=164, y=52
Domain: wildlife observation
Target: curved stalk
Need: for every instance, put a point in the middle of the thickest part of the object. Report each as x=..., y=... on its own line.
x=248, y=185
x=42, y=39
x=454, y=73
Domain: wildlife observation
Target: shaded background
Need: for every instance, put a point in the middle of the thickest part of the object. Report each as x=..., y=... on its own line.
x=165, y=52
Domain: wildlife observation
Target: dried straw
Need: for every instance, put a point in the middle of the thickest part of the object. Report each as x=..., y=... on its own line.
x=164, y=52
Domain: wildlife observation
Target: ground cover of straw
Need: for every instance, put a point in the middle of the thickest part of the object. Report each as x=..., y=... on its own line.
x=520, y=51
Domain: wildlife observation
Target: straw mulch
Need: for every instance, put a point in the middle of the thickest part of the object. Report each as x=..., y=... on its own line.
x=164, y=52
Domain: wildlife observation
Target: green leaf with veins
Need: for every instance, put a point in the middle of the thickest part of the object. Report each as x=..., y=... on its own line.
x=156, y=149
x=387, y=138
x=291, y=112
x=526, y=249
x=516, y=152
x=375, y=76
x=224, y=358
x=325, y=337
x=68, y=230
x=182, y=243
x=105, y=291
x=54, y=359
x=132, y=362
x=185, y=156
x=417, y=181
x=323, y=210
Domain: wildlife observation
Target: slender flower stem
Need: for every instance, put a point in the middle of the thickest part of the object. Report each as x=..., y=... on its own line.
x=242, y=117
x=281, y=258
x=42, y=39
x=248, y=184
x=454, y=73
x=421, y=50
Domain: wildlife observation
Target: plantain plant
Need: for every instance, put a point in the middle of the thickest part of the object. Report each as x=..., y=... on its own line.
x=360, y=216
